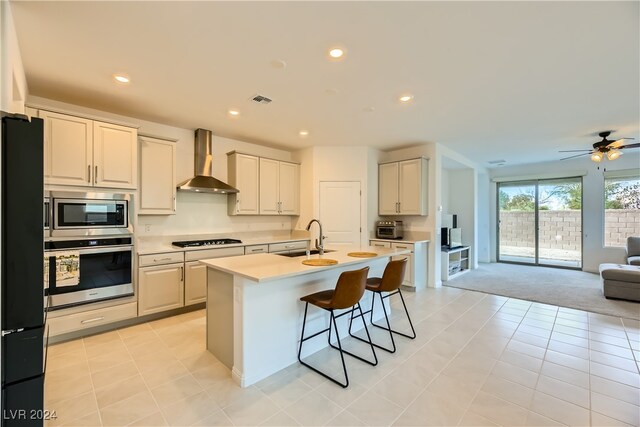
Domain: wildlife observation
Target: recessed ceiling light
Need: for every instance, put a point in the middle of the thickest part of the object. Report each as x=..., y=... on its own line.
x=234, y=112
x=369, y=109
x=406, y=98
x=331, y=91
x=304, y=133
x=121, y=78
x=279, y=64
x=336, y=53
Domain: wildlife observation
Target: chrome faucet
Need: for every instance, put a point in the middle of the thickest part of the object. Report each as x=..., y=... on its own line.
x=320, y=243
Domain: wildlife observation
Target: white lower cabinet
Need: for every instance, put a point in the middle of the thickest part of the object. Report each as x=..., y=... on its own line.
x=415, y=276
x=88, y=319
x=160, y=288
x=195, y=282
x=408, y=274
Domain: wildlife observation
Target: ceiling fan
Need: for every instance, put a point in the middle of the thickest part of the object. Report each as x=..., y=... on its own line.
x=606, y=147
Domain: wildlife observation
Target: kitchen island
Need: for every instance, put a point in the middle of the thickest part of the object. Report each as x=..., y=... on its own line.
x=254, y=312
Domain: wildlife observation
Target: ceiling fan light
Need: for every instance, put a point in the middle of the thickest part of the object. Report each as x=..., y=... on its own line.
x=613, y=154
x=597, y=157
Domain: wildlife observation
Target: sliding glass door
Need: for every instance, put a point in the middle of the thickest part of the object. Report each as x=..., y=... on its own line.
x=540, y=222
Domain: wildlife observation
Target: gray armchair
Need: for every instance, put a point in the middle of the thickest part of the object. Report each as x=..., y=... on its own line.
x=633, y=250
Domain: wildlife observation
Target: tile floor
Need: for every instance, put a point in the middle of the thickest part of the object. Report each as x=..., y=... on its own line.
x=479, y=360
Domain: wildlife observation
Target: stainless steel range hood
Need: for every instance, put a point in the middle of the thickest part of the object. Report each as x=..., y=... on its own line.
x=203, y=181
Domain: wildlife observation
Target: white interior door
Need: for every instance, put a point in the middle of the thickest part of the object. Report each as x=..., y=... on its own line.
x=340, y=212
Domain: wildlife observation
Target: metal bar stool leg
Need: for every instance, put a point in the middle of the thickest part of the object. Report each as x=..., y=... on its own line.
x=375, y=358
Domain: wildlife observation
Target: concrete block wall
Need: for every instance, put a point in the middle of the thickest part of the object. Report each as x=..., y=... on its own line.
x=563, y=229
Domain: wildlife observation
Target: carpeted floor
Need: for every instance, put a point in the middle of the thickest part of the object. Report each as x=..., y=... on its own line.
x=565, y=288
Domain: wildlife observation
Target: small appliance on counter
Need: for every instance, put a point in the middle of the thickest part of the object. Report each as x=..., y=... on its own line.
x=389, y=230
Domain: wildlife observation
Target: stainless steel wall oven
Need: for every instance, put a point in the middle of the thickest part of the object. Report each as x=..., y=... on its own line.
x=88, y=270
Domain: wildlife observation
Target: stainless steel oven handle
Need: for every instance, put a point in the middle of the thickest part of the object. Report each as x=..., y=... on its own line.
x=93, y=250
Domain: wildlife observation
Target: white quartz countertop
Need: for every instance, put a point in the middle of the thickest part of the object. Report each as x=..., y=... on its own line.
x=269, y=267
x=163, y=247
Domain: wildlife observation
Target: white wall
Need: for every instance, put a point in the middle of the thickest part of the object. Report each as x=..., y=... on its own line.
x=594, y=252
x=462, y=195
x=197, y=213
x=483, y=226
x=13, y=84
x=336, y=163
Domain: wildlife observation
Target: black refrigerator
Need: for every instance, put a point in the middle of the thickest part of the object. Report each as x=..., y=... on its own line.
x=21, y=271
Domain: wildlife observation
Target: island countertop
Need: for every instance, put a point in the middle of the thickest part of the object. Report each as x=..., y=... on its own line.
x=267, y=267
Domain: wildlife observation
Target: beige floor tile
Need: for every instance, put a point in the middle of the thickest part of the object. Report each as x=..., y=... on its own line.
x=570, y=339
x=391, y=388
x=156, y=419
x=570, y=349
x=66, y=383
x=559, y=410
x=286, y=391
x=129, y=410
x=189, y=410
x=615, y=374
x=251, y=409
x=114, y=374
x=175, y=390
x=567, y=360
x=616, y=409
x=198, y=361
x=563, y=390
x=608, y=339
x=313, y=409
x=616, y=390
x=615, y=361
x=498, y=410
x=90, y=420
x=120, y=391
x=472, y=419
x=165, y=374
x=345, y=419
x=430, y=409
x=528, y=349
x=458, y=391
x=210, y=375
x=537, y=420
x=134, y=331
x=138, y=339
x=573, y=323
x=522, y=360
x=600, y=420
x=611, y=349
x=153, y=361
x=102, y=338
x=566, y=374
x=538, y=323
x=374, y=411
x=224, y=393
x=105, y=361
x=71, y=409
x=66, y=360
x=530, y=339
x=280, y=419
x=218, y=418
x=59, y=349
x=533, y=330
x=507, y=390
x=515, y=374
x=105, y=348
x=154, y=346
x=568, y=330
x=607, y=330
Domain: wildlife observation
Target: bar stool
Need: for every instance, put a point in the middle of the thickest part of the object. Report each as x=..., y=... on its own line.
x=390, y=282
x=347, y=294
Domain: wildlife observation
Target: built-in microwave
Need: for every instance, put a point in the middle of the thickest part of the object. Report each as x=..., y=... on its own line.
x=89, y=214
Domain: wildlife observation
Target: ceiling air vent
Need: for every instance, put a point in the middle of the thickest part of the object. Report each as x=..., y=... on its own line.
x=261, y=99
x=496, y=162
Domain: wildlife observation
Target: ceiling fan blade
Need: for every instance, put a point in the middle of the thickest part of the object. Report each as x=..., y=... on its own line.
x=636, y=145
x=571, y=151
x=577, y=155
x=617, y=143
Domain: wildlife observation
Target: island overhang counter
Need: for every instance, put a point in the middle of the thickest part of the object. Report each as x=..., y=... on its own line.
x=254, y=312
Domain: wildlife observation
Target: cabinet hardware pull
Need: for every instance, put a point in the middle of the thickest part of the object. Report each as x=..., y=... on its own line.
x=238, y=206
x=161, y=259
x=257, y=250
x=399, y=206
x=175, y=207
x=89, y=174
x=95, y=176
x=401, y=247
x=95, y=319
x=182, y=274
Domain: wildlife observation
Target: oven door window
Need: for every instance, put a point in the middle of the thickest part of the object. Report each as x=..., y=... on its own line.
x=90, y=214
x=97, y=270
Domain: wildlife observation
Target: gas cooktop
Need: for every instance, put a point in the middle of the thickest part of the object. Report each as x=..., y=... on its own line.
x=209, y=242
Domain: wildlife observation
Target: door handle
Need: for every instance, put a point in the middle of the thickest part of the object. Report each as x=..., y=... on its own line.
x=89, y=174
x=238, y=206
x=182, y=274
x=95, y=176
x=174, y=204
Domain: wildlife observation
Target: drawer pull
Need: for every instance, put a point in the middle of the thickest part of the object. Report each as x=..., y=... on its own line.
x=289, y=246
x=161, y=259
x=401, y=247
x=378, y=245
x=96, y=319
x=257, y=250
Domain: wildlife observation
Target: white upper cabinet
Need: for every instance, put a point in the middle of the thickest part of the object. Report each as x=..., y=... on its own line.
x=157, y=176
x=243, y=174
x=403, y=187
x=68, y=149
x=115, y=155
x=279, y=187
x=388, y=189
x=289, y=188
x=88, y=153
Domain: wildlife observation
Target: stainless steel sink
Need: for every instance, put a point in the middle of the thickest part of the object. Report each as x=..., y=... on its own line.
x=304, y=253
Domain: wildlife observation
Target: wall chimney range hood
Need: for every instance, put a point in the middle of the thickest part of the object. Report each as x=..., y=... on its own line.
x=203, y=181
